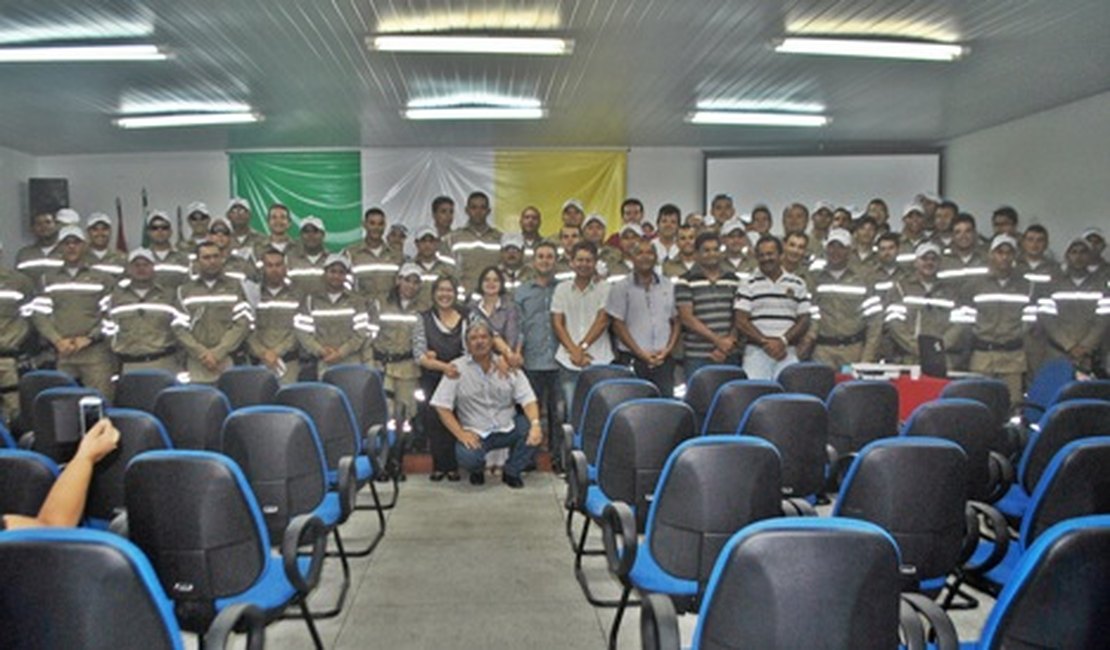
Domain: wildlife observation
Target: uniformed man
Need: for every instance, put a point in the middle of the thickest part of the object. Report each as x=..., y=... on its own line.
x=630, y=235
x=593, y=231
x=396, y=237
x=234, y=267
x=476, y=245
x=273, y=342
x=393, y=346
x=198, y=218
x=530, y=222
x=568, y=237
x=795, y=218
x=1034, y=263
x=965, y=260
x=795, y=256
x=943, y=218
x=100, y=256
x=887, y=270
x=846, y=322
x=913, y=233
x=305, y=264
x=738, y=252
x=997, y=308
x=335, y=323
x=141, y=314
x=512, y=265
x=573, y=213
x=863, y=257
x=916, y=305
x=171, y=267
x=374, y=264
x=35, y=260
x=219, y=317
x=69, y=313
x=443, y=220
x=431, y=262
x=1068, y=314
x=279, y=222
x=687, y=257
x=16, y=308
x=244, y=239
x=821, y=222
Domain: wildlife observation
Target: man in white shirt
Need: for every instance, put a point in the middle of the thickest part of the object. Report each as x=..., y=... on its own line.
x=579, y=319
x=772, y=311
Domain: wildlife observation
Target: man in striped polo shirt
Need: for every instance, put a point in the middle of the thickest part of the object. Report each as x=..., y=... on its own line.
x=772, y=311
x=704, y=297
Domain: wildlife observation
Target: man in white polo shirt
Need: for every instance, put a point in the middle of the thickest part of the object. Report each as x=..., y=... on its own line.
x=772, y=312
x=579, y=319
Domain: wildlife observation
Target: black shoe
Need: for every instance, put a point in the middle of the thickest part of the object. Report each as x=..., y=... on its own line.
x=477, y=478
x=512, y=481
x=436, y=476
x=453, y=476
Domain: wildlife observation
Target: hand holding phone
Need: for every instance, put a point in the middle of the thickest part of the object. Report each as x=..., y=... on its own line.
x=92, y=411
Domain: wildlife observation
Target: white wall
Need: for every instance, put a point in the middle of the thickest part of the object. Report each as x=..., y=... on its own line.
x=15, y=169
x=658, y=175
x=1054, y=167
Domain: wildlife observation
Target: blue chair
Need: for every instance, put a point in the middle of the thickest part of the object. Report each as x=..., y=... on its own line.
x=139, y=389
x=1047, y=381
x=6, y=439
x=25, y=479
x=710, y=488
x=139, y=432
x=702, y=386
x=731, y=402
x=56, y=419
x=79, y=588
x=279, y=451
x=193, y=513
x=784, y=583
x=638, y=437
x=1063, y=423
x=1057, y=596
x=193, y=415
x=30, y=385
x=995, y=395
x=808, y=378
x=797, y=425
x=248, y=385
x=365, y=391
x=335, y=422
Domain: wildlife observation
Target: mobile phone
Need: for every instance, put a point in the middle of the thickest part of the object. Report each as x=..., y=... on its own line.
x=92, y=411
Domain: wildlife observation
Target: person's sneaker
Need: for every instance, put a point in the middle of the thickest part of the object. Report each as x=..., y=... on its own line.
x=512, y=481
x=477, y=478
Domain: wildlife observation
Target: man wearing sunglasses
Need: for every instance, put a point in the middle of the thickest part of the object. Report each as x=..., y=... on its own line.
x=171, y=267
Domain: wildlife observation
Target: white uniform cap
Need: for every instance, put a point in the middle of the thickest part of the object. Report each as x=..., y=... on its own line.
x=238, y=203
x=218, y=222
x=823, y=205
x=913, y=207
x=67, y=217
x=925, y=248
x=931, y=196
x=197, y=206
x=512, y=239
x=313, y=222
x=426, y=231
x=98, y=217
x=745, y=218
x=575, y=202
x=1092, y=232
x=633, y=228
x=408, y=268
x=158, y=214
x=840, y=236
x=1004, y=240
x=141, y=253
x=72, y=231
x=595, y=217
x=336, y=258
x=732, y=225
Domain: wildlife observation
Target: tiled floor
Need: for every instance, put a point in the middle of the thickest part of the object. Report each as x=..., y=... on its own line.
x=476, y=568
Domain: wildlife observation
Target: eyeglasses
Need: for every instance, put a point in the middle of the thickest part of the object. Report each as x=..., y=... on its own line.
x=155, y=226
x=220, y=231
x=198, y=216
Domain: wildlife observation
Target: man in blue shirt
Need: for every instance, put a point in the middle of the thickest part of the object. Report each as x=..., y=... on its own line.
x=533, y=298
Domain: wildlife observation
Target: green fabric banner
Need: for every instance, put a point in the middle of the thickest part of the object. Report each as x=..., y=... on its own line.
x=325, y=184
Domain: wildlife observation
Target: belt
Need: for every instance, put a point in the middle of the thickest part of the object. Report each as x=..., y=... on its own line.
x=388, y=357
x=9, y=389
x=991, y=346
x=858, y=337
x=9, y=353
x=292, y=355
x=143, y=358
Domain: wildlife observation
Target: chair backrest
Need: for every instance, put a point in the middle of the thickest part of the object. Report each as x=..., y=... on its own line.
x=138, y=432
x=797, y=425
x=605, y=396
x=33, y=383
x=56, y=419
x=731, y=402
x=279, y=451
x=194, y=515
x=1063, y=423
x=1047, y=381
x=590, y=376
x=25, y=479
x=913, y=488
x=1086, y=389
x=710, y=488
x=365, y=391
x=139, y=389
x=78, y=588
x=1075, y=484
x=1057, y=597
x=808, y=377
x=861, y=412
x=703, y=384
x=803, y=583
x=248, y=385
x=967, y=423
x=639, y=437
x=992, y=393
x=6, y=439
x=193, y=415
x=330, y=411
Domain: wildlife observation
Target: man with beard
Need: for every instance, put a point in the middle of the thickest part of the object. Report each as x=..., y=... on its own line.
x=772, y=312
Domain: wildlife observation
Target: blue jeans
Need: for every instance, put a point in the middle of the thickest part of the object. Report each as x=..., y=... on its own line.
x=568, y=378
x=520, y=456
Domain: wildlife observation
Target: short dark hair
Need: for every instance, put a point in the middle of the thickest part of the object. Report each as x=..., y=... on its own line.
x=547, y=244
x=500, y=278
x=631, y=201
x=666, y=209
x=477, y=195
x=864, y=220
x=963, y=217
x=949, y=203
x=772, y=239
x=721, y=197
x=276, y=206
x=762, y=207
x=708, y=235
x=1007, y=212
x=587, y=246
x=273, y=251
x=205, y=244
x=441, y=200
x=794, y=234
x=1038, y=228
x=372, y=211
x=889, y=236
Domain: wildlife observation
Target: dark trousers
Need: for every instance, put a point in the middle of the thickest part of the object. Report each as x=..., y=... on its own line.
x=441, y=444
x=662, y=376
x=545, y=384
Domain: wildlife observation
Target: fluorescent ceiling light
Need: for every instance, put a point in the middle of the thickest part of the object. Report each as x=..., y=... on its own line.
x=756, y=119
x=82, y=53
x=186, y=119
x=474, y=18
x=476, y=113
x=138, y=107
x=760, y=105
x=459, y=100
x=86, y=29
x=460, y=44
x=880, y=49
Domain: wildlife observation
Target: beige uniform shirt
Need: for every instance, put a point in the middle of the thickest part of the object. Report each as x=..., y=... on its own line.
x=17, y=296
x=475, y=250
x=912, y=310
x=71, y=305
x=217, y=317
x=141, y=323
x=306, y=271
x=375, y=271
x=845, y=308
x=341, y=321
x=275, y=314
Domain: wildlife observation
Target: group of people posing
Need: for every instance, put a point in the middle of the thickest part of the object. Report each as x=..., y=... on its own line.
x=477, y=322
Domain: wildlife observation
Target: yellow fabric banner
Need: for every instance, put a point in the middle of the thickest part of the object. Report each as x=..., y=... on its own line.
x=548, y=178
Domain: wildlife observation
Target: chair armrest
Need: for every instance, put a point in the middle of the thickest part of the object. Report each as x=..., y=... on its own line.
x=618, y=532
x=1002, y=475
x=913, y=632
x=347, y=487
x=795, y=507
x=999, y=528
x=658, y=623
x=578, y=481
x=941, y=626
x=237, y=615
x=119, y=524
x=370, y=438
x=26, y=441
x=302, y=531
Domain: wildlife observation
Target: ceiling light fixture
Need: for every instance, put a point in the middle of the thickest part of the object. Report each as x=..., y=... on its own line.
x=738, y=118
x=186, y=119
x=476, y=113
x=471, y=44
x=81, y=53
x=760, y=106
x=475, y=99
x=871, y=48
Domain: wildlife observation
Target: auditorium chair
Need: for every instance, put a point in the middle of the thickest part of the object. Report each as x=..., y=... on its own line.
x=192, y=415
x=248, y=385
x=139, y=432
x=808, y=377
x=30, y=385
x=382, y=436
x=25, y=479
x=797, y=425
x=56, y=419
x=139, y=389
x=703, y=384
x=730, y=403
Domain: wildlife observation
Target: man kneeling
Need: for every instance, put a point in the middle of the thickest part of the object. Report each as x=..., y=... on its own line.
x=477, y=407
